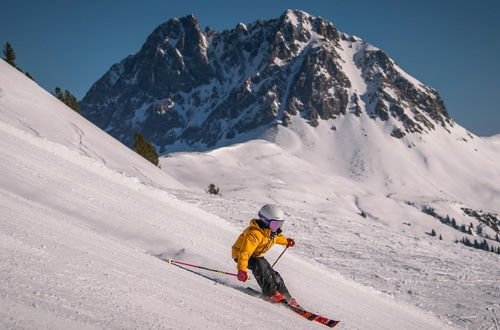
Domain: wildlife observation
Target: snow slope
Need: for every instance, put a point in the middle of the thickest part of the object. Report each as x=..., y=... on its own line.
x=24, y=105
x=81, y=221
x=494, y=141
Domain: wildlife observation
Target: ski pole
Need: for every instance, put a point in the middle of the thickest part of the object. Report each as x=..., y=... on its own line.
x=170, y=261
x=279, y=256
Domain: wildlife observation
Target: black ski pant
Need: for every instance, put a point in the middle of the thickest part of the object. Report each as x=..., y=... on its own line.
x=268, y=279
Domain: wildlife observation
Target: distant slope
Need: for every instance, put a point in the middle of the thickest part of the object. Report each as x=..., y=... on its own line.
x=78, y=227
x=439, y=164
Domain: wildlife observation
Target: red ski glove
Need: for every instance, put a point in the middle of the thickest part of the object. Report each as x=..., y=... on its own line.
x=242, y=276
x=290, y=242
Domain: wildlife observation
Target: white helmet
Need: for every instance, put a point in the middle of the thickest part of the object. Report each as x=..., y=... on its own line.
x=272, y=215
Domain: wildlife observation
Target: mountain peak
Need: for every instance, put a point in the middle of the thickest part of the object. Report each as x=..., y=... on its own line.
x=175, y=27
x=198, y=89
x=307, y=26
x=295, y=16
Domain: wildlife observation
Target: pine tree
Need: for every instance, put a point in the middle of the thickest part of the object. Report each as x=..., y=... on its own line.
x=58, y=93
x=71, y=101
x=485, y=246
x=212, y=189
x=10, y=55
x=67, y=98
x=145, y=149
x=433, y=233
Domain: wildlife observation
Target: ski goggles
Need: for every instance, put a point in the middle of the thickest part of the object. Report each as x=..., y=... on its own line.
x=275, y=224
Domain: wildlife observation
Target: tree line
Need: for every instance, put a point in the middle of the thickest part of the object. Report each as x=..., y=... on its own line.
x=480, y=245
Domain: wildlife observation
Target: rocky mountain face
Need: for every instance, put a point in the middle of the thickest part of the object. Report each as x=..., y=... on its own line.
x=189, y=89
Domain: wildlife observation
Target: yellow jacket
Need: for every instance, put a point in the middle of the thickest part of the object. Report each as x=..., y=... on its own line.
x=254, y=241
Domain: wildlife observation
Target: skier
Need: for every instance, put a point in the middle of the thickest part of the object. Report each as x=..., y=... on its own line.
x=248, y=252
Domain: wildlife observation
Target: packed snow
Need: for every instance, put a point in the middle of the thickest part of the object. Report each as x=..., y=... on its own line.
x=83, y=219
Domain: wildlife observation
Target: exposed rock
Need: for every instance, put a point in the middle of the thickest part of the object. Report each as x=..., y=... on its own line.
x=198, y=88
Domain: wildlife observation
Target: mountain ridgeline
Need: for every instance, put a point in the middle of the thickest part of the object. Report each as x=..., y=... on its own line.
x=188, y=89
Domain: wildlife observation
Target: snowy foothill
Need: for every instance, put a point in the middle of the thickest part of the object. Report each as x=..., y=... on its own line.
x=83, y=219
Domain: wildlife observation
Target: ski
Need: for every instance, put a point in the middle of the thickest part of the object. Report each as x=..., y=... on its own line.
x=312, y=316
x=299, y=310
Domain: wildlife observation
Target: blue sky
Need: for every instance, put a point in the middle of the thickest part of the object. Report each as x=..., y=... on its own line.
x=450, y=45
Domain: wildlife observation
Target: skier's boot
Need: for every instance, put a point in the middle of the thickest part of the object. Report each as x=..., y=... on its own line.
x=276, y=297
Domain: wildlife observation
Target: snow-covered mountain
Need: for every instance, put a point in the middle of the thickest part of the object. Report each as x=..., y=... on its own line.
x=188, y=89
x=82, y=216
